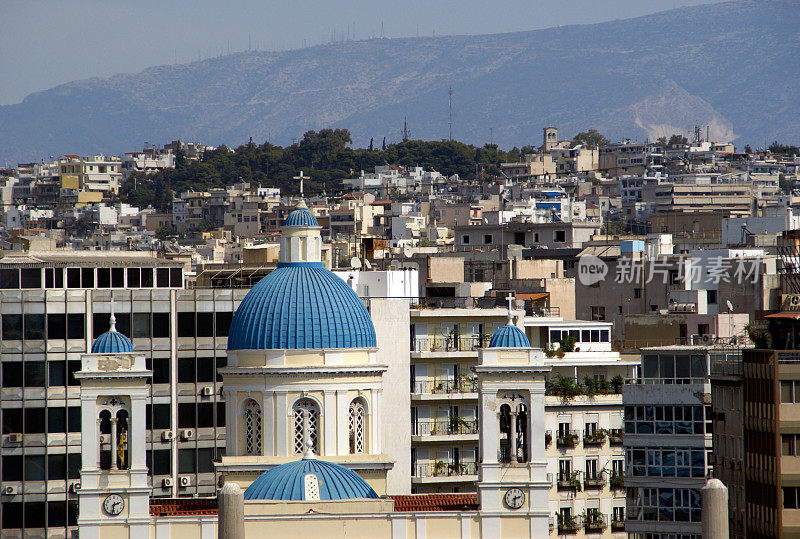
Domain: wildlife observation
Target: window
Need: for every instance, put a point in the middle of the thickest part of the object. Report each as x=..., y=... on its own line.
x=56, y=326
x=205, y=415
x=147, y=278
x=465, y=239
x=34, y=420
x=187, y=461
x=789, y=444
x=160, y=368
x=12, y=468
x=140, y=325
x=56, y=419
x=253, y=433
x=187, y=415
x=53, y=278
x=31, y=278
x=487, y=239
x=134, y=277
x=175, y=277
x=357, y=425
x=12, y=327
x=35, y=373
x=56, y=467
x=161, y=416
x=186, y=370
x=186, y=327
x=9, y=279
x=205, y=460
x=76, y=326
x=34, y=327
x=161, y=325
x=160, y=462
x=559, y=236
x=790, y=391
x=205, y=324
x=637, y=293
x=205, y=369
x=306, y=419
x=12, y=374
x=223, y=320
x=791, y=497
x=35, y=468
x=711, y=297
x=162, y=277
x=220, y=414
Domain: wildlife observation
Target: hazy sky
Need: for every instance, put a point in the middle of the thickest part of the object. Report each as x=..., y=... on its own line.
x=48, y=42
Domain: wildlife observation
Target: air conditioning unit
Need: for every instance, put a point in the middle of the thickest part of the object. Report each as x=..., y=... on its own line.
x=185, y=481
x=187, y=434
x=105, y=438
x=167, y=482
x=706, y=339
x=208, y=391
x=15, y=438
x=167, y=435
x=75, y=486
x=9, y=490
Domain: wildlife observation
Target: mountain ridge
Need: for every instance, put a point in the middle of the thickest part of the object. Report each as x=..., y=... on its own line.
x=729, y=65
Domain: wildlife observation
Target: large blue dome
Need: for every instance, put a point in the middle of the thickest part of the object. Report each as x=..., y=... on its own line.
x=301, y=305
x=509, y=336
x=300, y=217
x=288, y=482
x=112, y=342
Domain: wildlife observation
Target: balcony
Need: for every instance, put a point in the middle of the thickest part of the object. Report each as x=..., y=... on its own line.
x=567, y=524
x=597, y=437
x=442, y=470
x=567, y=439
x=618, y=525
x=446, y=386
x=615, y=437
x=594, y=523
x=594, y=482
x=445, y=427
x=568, y=481
x=450, y=343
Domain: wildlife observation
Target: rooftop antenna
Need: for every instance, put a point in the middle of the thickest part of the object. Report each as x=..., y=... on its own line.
x=405, y=129
x=450, y=106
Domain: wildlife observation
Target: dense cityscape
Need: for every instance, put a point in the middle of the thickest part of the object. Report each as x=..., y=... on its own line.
x=652, y=289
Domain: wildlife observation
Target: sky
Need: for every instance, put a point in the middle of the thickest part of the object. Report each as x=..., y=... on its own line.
x=49, y=42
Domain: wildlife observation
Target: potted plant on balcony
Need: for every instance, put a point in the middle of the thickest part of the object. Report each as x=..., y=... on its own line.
x=548, y=438
x=596, y=437
x=615, y=437
x=439, y=468
x=596, y=481
x=569, y=481
x=566, y=523
x=616, y=384
x=564, y=387
x=617, y=481
x=593, y=521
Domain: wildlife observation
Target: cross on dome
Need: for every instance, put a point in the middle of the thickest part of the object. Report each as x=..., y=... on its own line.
x=302, y=203
x=510, y=297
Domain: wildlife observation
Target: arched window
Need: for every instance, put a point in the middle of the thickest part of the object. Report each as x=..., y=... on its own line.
x=505, y=433
x=305, y=414
x=121, y=443
x=105, y=433
x=252, y=428
x=522, y=433
x=357, y=426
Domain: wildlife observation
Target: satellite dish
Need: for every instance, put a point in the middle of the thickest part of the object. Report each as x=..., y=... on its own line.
x=367, y=264
x=408, y=251
x=355, y=263
x=730, y=306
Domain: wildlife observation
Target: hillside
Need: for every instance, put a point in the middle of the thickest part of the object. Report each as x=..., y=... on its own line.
x=732, y=65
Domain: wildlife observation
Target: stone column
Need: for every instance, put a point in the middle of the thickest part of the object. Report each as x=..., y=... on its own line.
x=113, y=443
x=231, y=512
x=715, y=509
x=512, y=437
x=99, y=445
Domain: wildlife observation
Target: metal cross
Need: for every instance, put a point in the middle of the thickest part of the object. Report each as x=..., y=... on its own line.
x=301, y=178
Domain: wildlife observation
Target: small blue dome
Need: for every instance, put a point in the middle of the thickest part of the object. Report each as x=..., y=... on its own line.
x=112, y=342
x=509, y=336
x=300, y=217
x=301, y=305
x=287, y=482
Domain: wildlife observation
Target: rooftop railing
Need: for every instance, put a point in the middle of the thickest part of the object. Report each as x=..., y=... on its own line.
x=449, y=343
x=445, y=469
x=433, y=387
x=444, y=427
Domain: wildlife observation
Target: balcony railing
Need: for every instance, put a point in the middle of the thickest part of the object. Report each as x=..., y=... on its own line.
x=597, y=437
x=443, y=427
x=567, y=524
x=594, y=523
x=667, y=381
x=445, y=469
x=449, y=343
x=618, y=525
x=567, y=439
x=545, y=311
x=617, y=481
x=437, y=386
x=568, y=482
x=598, y=481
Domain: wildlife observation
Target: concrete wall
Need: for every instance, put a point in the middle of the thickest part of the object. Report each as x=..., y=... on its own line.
x=391, y=318
x=445, y=269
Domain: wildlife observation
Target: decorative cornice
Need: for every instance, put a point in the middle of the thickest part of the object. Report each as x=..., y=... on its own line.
x=306, y=371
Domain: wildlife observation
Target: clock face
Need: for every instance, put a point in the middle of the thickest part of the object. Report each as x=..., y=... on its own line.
x=514, y=498
x=114, y=504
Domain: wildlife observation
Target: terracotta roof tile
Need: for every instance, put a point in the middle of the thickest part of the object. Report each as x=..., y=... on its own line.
x=436, y=502
x=173, y=507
